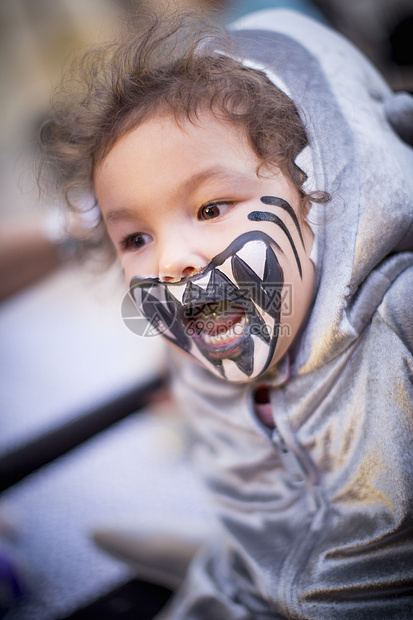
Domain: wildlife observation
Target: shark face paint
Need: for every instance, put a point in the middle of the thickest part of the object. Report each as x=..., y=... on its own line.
x=264, y=216
x=227, y=317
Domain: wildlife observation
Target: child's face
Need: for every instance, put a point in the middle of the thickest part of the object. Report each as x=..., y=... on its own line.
x=176, y=197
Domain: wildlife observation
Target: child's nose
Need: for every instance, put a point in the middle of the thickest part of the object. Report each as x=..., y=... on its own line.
x=179, y=260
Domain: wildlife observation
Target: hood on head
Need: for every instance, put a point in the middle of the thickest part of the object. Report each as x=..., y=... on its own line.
x=351, y=118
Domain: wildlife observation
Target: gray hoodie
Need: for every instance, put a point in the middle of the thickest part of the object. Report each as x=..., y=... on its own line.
x=316, y=516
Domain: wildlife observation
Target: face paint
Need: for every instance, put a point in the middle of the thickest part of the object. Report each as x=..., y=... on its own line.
x=227, y=317
x=265, y=216
x=280, y=202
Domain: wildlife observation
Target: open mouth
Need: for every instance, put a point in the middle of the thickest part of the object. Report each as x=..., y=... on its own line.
x=218, y=327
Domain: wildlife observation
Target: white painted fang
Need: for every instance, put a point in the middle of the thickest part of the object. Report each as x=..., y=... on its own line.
x=254, y=253
x=227, y=270
x=260, y=356
x=269, y=321
x=177, y=291
x=232, y=372
x=204, y=281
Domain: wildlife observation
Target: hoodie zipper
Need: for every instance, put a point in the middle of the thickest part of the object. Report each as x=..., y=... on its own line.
x=301, y=472
x=263, y=411
x=289, y=460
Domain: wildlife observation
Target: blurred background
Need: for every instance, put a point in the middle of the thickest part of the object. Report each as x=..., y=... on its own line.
x=87, y=433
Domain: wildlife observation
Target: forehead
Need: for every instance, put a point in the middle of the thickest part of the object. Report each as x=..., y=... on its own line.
x=171, y=132
x=164, y=152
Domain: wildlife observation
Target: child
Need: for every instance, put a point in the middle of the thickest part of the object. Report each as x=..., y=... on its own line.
x=290, y=318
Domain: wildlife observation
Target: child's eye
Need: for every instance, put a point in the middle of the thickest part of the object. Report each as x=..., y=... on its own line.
x=135, y=241
x=213, y=210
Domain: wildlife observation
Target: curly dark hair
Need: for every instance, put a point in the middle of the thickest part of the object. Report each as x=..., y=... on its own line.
x=176, y=64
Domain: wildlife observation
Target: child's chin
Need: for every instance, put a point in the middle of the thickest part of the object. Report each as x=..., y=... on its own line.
x=233, y=363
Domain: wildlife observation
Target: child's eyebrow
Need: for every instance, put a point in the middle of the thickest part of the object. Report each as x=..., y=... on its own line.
x=116, y=215
x=194, y=182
